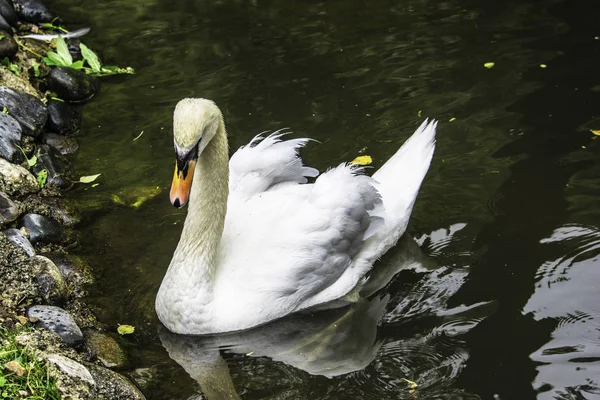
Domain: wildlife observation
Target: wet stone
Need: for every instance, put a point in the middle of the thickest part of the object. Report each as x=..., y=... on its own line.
x=71, y=367
x=111, y=385
x=106, y=349
x=63, y=144
x=33, y=11
x=42, y=229
x=57, y=321
x=51, y=285
x=18, y=239
x=28, y=110
x=9, y=211
x=8, y=13
x=63, y=118
x=71, y=267
x=57, y=166
x=4, y=25
x=8, y=45
x=71, y=85
x=15, y=179
x=10, y=139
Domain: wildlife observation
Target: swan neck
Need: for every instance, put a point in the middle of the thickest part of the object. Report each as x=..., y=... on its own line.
x=205, y=220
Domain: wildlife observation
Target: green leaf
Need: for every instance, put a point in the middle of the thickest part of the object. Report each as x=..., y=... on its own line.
x=63, y=51
x=91, y=58
x=2, y=381
x=36, y=69
x=5, y=110
x=42, y=177
x=5, y=61
x=125, y=329
x=89, y=178
x=77, y=64
x=32, y=161
x=53, y=58
x=2, y=37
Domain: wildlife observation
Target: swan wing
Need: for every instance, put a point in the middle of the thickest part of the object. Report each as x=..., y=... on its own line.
x=290, y=244
x=267, y=162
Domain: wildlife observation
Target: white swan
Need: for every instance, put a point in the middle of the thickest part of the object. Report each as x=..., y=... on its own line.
x=259, y=242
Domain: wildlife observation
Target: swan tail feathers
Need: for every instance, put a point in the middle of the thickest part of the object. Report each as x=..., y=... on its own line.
x=400, y=178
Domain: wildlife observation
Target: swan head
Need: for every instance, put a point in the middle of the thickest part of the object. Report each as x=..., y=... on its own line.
x=195, y=123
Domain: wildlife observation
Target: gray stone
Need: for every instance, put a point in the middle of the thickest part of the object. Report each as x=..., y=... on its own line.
x=111, y=385
x=51, y=285
x=64, y=145
x=8, y=13
x=28, y=110
x=16, y=180
x=42, y=229
x=18, y=239
x=71, y=368
x=33, y=11
x=106, y=349
x=10, y=139
x=63, y=118
x=8, y=45
x=9, y=211
x=58, y=166
x=57, y=321
x=72, y=85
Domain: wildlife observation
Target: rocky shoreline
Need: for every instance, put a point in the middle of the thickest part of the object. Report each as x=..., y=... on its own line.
x=42, y=286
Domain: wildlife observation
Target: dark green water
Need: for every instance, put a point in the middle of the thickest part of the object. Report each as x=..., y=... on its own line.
x=508, y=213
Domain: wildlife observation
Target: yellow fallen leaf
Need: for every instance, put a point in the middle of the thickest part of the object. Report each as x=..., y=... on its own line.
x=489, y=65
x=452, y=119
x=125, y=329
x=543, y=65
x=595, y=131
x=89, y=178
x=362, y=160
x=419, y=114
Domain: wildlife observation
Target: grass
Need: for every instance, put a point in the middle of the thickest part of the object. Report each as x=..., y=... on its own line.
x=34, y=380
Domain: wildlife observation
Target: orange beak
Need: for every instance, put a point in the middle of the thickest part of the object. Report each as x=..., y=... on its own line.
x=182, y=182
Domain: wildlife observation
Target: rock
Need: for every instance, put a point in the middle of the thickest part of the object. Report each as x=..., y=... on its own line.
x=106, y=349
x=8, y=13
x=9, y=211
x=33, y=11
x=63, y=118
x=64, y=145
x=111, y=385
x=71, y=368
x=53, y=207
x=10, y=138
x=4, y=25
x=72, y=268
x=42, y=229
x=51, y=285
x=9, y=79
x=15, y=367
x=73, y=45
x=57, y=166
x=57, y=321
x=18, y=239
x=71, y=85
x=16, y=180
x=8, y=45
x=28, y=110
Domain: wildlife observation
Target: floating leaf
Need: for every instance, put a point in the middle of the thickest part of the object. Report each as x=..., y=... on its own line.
x=89, y=178
x=42, y=177
x=138, y=136
x=91, y=57
x=543, y=65
x=125, y=329
x=489, y=65
x=95, y=184
x=452, y=119
x=362, y=160
x=595, y=131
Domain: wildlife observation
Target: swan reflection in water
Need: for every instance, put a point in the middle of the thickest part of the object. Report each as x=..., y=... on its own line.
x=411, y=333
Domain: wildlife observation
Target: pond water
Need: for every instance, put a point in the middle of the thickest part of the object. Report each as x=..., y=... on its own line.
x=501, y=300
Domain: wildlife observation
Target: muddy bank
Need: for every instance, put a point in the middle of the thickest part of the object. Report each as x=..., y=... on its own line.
x=44, y=83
